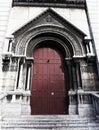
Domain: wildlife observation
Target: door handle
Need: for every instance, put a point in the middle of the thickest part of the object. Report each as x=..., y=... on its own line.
x=48, y=61
x=52, y=93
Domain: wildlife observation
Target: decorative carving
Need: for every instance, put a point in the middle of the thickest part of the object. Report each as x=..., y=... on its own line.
x=27, y=37
x=10, y=63
x=49, y=18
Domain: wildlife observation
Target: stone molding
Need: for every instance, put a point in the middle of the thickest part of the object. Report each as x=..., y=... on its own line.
x=49, y=3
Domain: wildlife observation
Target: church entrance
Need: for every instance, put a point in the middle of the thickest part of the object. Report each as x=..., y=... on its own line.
x=48, y=92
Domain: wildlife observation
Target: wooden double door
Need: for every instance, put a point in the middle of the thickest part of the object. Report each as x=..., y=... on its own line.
x=48, y=92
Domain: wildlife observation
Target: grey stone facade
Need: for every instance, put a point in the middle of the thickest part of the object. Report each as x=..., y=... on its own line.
x=26, y=27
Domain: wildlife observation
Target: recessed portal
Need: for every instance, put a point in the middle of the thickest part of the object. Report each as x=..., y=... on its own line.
x=48, y=92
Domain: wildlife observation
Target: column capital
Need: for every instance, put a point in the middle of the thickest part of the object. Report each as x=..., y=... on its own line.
x=29, y=60
x=22, y=60
x=87, y=41
x=76, y=60
x=68, y=61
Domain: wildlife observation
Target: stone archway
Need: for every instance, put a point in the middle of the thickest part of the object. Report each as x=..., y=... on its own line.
x=66, y=38
x=66, y=52
x=69, y=44
x=34, y=36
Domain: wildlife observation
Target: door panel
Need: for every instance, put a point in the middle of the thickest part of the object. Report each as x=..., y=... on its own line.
x=48, y=92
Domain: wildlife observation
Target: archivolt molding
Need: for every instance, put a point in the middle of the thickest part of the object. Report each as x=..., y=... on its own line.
x=24, y=40
x=34, y=43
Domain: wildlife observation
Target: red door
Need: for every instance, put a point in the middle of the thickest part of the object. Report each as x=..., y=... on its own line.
x=48, y=85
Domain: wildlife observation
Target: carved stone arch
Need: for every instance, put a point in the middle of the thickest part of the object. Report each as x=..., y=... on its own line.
x=74, y=40
x=58, y=43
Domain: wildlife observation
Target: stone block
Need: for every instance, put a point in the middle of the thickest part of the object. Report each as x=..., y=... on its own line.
x=73, y=109
x=25, y=109
x=12, y=109
x=86, y=110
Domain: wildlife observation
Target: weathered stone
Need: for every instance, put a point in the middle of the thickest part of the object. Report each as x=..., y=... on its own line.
x=70, y=30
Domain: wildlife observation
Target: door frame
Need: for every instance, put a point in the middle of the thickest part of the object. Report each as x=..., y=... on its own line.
x=65, y=69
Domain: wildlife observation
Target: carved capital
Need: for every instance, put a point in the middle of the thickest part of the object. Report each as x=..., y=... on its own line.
x=29, y=61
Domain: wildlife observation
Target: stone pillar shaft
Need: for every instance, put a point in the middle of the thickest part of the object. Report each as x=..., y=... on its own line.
x=27, y=84
x=69, y=65
x=28, y=81
x=78, y=73
x=19, y=84
x=28, y=73
x=89, y=47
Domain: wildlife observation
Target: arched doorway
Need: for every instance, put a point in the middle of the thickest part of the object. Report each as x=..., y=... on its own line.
x=48, y=92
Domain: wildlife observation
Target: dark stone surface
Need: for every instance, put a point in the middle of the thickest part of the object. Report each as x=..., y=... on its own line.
x=50, y=3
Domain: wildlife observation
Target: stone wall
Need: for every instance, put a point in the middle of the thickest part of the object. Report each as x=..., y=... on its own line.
x=5, y=7
x=93, y=12
x=20, y=16
x=89, y=76
x=11, y=19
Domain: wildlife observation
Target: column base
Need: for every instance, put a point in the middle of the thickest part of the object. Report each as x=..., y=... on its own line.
x=25, y=109
x=11, y=109
x=73, y=110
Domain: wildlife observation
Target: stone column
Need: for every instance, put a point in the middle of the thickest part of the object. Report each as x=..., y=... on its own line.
x=17, y=74
x=71, y=93
x=19, y=84
x=11, y=40
x=78, y=74
x=28, y=80
x=82, y=108
x=28, y=74
x=69, y=66
x=89, y=47
x=20, y=77
x=27, y=84
x=26, y=108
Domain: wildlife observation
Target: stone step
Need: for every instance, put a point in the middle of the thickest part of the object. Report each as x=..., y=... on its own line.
x=46, y=121
x=47, y=126
x=62, y=128
x=50, y=117
x=55, y=122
